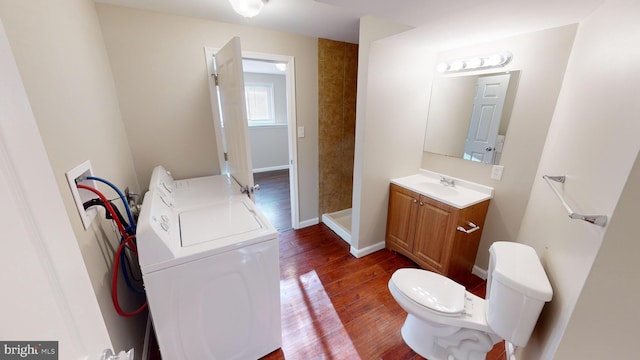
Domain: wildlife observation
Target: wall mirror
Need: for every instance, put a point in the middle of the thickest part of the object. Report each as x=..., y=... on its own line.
x=469, y=115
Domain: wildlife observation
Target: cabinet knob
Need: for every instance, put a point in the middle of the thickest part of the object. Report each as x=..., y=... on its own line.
x=415, y=201
x=421, y=203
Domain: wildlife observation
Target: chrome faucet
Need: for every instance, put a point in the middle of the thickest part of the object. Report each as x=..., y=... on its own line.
x=447, y=182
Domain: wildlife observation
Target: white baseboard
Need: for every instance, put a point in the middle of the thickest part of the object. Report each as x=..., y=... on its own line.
x=306, y=223
x=270, y=168
x=481, y=273
x=358, y=253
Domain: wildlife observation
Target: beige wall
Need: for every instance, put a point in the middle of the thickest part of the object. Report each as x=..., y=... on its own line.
x=608, y=294
x=582, y=123
x=389, y=127
x=593, y=140
x=541, y=58
x=44, y=298
x=159, y=70
x=63, y=63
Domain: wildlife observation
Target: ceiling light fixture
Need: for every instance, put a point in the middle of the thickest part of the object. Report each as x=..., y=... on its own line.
x=475, y=63
x=247, y=8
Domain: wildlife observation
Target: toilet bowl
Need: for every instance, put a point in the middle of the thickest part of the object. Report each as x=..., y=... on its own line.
x=444, y=321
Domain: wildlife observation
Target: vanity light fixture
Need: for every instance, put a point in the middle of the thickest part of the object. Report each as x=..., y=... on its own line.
x=248, y=8
x=475, y=63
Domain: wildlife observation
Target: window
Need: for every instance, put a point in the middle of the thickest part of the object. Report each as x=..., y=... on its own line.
x=260, y=104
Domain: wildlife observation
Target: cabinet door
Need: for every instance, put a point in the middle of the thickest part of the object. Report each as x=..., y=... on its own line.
x=403, y=208
x=434, y=234
x=465, y=245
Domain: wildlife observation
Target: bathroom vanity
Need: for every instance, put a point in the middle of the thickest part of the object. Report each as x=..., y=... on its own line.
x=436, y=221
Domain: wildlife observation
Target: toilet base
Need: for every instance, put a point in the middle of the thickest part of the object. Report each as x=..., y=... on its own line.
x=443, y=342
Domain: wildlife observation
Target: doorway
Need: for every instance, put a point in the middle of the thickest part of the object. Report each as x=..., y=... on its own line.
x=270, y=94
x=266, y=93
x=274, y=199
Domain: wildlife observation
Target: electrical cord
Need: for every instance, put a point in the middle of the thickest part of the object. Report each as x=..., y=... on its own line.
x=126, y=240
x=99, y=202
x=114, y=279
x=122, y=196
x=108, y=206
x=126, y=261
x=130, y=268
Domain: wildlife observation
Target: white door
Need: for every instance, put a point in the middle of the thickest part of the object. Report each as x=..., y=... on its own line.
x=485, y=118
x=47, y=293
x=210, y=54
x=233, y=108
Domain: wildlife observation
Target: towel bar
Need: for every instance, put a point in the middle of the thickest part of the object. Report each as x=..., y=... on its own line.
x=600, y=220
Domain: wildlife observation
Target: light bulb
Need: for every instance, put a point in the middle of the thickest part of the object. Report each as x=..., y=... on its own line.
x=247, y=8
x=495, y=60
x=474, y=63
x=442, y=67
x=456, y=65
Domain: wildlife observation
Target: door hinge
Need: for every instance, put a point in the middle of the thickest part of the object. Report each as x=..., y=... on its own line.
x=226, y=157
x=215, y=79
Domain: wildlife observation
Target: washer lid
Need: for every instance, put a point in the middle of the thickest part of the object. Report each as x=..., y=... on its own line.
x=431, y=290
x=216, y=222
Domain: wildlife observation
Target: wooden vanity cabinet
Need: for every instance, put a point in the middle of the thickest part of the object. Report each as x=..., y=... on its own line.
x=425, y=230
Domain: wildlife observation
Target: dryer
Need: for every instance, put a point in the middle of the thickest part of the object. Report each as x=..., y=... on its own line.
x=210, y=264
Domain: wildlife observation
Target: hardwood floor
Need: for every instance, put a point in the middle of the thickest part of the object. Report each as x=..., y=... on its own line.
x=335, y=306
x=273, y=198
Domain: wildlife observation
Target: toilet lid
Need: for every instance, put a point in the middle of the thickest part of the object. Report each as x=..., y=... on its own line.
x=431, y=290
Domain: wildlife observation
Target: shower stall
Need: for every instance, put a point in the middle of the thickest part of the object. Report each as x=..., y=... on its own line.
x=340, y=222
x=337, y=80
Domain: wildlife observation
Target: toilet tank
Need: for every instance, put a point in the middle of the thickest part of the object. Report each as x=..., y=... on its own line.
x=517, y=288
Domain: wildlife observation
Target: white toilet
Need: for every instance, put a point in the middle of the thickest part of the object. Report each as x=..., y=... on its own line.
x=446, y=322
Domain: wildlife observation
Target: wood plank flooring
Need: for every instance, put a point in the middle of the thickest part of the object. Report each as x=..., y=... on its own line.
x=335, y=306
x=273, y=199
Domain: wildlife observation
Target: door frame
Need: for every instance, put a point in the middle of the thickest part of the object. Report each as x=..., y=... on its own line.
x=291, y=119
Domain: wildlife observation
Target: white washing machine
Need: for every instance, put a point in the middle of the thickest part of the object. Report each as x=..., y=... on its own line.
x=186, y=193
x=211, y=273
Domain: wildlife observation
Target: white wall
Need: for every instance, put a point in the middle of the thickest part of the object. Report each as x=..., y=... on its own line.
x=269, y=147
x=389, y=129
x=541, y=57
x=45, y=298
x=593, y=140
x=602, y=320
x=63, y=63
x=450, y=109
x=270, y=144
x=159, y=70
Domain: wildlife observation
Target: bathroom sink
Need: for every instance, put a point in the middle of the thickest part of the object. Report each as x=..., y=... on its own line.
x=463, y=194
x=438, y=189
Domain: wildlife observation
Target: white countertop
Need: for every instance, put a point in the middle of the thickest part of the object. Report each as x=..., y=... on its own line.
x=463, y=194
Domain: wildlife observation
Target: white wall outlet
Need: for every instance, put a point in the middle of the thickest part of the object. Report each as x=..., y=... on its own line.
x=300, y=131
x=496, y=172
x=78, y=175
